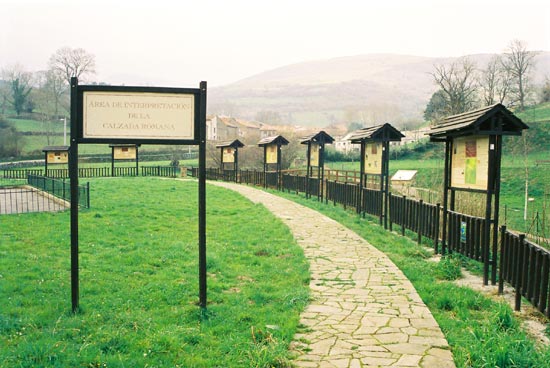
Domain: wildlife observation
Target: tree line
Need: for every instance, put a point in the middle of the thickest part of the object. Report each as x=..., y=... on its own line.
x=506, y=79
x=44, y=91
x=44, y=94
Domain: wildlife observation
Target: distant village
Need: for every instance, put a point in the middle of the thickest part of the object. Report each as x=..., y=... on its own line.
x=221, y=128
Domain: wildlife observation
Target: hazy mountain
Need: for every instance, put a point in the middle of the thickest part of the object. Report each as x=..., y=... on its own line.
x=371, y=88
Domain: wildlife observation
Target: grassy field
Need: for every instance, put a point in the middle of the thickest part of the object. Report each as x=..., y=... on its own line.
x=139, y=282
x=480, y=331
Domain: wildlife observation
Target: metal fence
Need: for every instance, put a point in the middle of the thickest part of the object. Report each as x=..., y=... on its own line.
x=61, y=189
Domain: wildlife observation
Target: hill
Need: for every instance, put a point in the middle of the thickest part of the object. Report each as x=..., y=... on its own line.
x=369, y=88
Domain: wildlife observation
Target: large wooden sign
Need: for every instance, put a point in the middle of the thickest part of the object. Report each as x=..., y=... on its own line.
x=137, y=114
x=228, y=155
x=470, y=162
x=271, y=154
x=373, y=158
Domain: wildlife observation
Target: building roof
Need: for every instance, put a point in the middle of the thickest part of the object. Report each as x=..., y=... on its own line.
x=490, y=120
x=379, y=133
x=55, y=148
x=277, y=139
x=248, y=124
x=322, y=137
x=234, y=144
x=230, y=122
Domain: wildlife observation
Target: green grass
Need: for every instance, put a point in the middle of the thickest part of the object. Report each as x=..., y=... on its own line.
x=480, y=331
x=535, y=114
x=139, y=282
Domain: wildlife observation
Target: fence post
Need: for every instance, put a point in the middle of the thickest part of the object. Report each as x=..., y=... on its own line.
x=420, y=218
x=501, y=265
x=88, y=194
x=404, y=215
x=519, y=270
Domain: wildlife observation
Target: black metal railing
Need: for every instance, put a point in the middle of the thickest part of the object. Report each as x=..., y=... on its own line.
x=61, y=189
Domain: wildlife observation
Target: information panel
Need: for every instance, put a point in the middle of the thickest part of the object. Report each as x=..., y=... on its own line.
x=314, y=154
x=470, y=162
x=373, y=158
x=55, y=157
x=138, y=115
x=228, y=155
x=271, y=154
x=124, y=153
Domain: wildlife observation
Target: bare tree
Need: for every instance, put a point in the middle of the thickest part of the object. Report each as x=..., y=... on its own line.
x=459, y=85
x=519, y=62
x=72, y=63
x=495, y=81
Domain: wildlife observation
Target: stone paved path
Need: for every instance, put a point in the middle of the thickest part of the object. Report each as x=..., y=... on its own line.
x=364, y=312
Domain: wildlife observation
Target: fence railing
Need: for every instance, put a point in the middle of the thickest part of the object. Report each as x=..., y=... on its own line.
x=20, y=173
x=526, y=267
x=417, y=216
x=163, y=171
x=61, y=189
x=523, y=264
x=465, y=235
x=25, y=199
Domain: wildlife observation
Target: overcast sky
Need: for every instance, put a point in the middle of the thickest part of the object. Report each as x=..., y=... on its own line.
x=179, y=43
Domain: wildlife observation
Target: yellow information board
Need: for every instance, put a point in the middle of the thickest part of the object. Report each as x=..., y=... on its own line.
x=470, y=162
x=124, y=153
x=314, y=154
x=373, y=158
x=228, y=155
x=271, y=154
x=58, y=157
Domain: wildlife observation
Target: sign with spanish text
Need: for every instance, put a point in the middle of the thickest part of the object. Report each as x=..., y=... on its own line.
x=470, y=162
x=373, y=158
x=138, y=115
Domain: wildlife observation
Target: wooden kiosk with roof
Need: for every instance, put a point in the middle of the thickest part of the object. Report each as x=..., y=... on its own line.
x=473, y=151
x=316, y=159
x=124, y=153
x=272, y=158
x=229, y=157
x=375, y=164
x=55, y=155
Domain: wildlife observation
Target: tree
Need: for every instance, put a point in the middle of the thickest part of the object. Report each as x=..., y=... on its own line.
x=519, y=63
x=72, y=63
x=19, y=83
x=4, y=95
x=436, y=107
x=545, y=91
x=495, y=81
x=459, y=86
